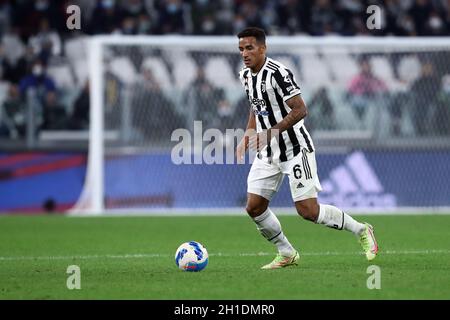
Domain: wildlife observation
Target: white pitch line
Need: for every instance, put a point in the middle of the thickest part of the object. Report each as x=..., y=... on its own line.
x=250, y=254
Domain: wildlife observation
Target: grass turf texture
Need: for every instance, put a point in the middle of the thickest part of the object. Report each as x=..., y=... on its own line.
x=133, y=258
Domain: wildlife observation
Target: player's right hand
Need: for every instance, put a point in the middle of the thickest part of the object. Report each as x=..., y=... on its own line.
x=241, y=149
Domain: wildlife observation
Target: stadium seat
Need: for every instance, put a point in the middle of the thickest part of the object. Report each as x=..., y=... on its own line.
x=4, y=85
x=315, y=71
x=288, y=62
x=159, y=69
x=184, y=70
x=383, y=70
x=62, y=75
x=123, y=69
x=75, y=49
x=409, y=68
x=342, y=66
x=219, y=72
x=13, y=47
x=81, y=72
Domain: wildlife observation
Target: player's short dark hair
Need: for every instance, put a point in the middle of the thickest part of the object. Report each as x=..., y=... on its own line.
x=258, y=33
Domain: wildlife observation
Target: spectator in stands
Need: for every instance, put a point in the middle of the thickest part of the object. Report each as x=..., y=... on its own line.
x=136, y=18
x=203, y=99
x=54, y=114
x=41, y=25
x=447, y=19
x=252, y=14
x=443, y=110
x=132, y=14
x=4, y=131
x=324, y=19
x=420, y=12
x=6, y=9
x=33, y=12
x=435, y=25
x=144, y=24
x=128, y=26
x=294, y=16
x=153, y=114
x=6, y=68
x=133, y=8
x=114, y=89
x=351, y=14
x=364, y=89
x=203, y=16
x=14, y=115
x=424, y=91
x=322, y=111
x=171, y=16
x=406, y=26
x=23, y=65
x=315, y=17
x=231, y=117
x=238, y=23
x=106, y=18
x=37, y=80
x=227, y=117
x=46, y=42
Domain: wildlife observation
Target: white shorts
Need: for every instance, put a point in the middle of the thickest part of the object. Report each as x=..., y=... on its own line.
x=265, y=178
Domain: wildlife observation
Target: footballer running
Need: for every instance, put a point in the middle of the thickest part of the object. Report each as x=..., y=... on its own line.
x=275, y=130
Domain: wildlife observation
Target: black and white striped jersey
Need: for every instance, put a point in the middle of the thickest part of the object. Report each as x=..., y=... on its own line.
x=267, y=91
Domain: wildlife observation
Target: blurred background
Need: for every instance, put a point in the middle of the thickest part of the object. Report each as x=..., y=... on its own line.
x=379, y=111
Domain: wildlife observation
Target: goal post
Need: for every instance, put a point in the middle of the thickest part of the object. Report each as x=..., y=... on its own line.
x=92, y=195
x=144, y=88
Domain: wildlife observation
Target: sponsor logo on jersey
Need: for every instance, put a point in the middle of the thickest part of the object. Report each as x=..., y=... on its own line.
x=259, y=107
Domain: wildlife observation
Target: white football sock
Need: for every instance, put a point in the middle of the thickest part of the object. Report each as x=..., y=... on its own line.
x=269, y=226
x=334, y=218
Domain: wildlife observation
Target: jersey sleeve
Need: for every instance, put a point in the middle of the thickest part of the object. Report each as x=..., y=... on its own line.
x=284, y=83
x=241, y=77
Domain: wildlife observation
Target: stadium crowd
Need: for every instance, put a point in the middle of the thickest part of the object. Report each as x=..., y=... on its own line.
x=33, y=36
x=224, y=17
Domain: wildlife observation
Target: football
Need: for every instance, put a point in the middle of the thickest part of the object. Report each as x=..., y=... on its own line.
x=191, y=256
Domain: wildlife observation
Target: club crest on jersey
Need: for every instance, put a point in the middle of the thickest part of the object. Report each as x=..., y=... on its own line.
x=259, y=107
x=263, y=86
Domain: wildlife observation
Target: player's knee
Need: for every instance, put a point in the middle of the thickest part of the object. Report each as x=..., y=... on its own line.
x=308, y=212
x=255, y=210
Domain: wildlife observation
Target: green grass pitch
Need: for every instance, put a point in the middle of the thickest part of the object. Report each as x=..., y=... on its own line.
x=133, y=258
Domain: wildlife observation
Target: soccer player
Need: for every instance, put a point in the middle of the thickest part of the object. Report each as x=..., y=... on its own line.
x=275, y=130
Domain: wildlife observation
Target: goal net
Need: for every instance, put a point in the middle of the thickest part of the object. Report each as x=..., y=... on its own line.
x=165, y=113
